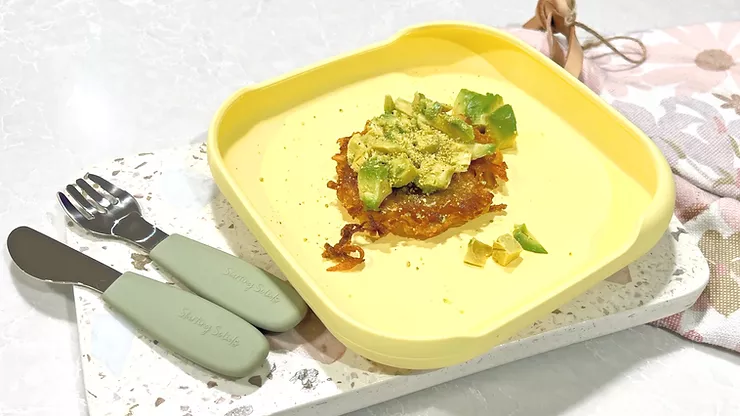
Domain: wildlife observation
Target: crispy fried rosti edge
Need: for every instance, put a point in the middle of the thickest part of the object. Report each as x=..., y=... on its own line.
x=341, y=252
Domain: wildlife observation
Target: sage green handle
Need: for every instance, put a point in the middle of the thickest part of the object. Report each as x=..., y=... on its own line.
x=250, y=292
x=192, y=327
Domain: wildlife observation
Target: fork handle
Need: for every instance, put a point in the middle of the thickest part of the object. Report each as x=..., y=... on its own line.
x=228, y=281
x=188, y=325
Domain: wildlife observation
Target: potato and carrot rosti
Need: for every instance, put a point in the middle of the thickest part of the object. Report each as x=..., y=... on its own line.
x=420, y=168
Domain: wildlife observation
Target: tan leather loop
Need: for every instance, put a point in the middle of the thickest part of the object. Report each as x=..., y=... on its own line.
x=559, y=16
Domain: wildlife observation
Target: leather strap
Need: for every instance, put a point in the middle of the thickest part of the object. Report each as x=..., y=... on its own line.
x=559, y=16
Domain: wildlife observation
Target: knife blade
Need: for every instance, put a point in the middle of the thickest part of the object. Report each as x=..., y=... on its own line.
x=185, y=324
x=62, y=264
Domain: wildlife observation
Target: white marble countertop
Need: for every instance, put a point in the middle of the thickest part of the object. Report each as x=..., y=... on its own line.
x=82, y=80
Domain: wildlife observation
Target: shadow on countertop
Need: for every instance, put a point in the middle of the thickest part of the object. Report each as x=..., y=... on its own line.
x=53, y=300
x=559, y=382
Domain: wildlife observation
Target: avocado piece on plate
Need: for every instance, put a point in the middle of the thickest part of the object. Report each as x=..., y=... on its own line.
x=401, y=170
x=527, y=240
x=403, y=106
x=434, y=175
x=388, y=105
x=476, y=106
x=357, y=151
x=505, y=249
x=501, y=125
x=478, y=253
x=373, y=183
x=384, y=144
x=437, y=115
x=479, y=150
x=453, y=127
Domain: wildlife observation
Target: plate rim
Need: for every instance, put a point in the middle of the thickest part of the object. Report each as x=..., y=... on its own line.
x=655, y=217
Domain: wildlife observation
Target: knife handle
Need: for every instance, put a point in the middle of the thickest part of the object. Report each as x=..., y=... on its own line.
x=190, y=326
x=246, y=290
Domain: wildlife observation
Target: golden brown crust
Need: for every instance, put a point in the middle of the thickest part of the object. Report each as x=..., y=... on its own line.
x=410, y=213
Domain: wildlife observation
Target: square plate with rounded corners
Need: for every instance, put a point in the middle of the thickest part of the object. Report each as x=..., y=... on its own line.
x=589, y=185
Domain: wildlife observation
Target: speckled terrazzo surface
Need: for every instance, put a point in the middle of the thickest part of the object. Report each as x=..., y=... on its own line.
x=307, y=369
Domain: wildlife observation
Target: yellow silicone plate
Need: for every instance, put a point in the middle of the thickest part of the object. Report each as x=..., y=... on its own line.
x=589, y=185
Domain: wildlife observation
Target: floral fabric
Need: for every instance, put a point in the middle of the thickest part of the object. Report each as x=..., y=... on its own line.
x=686, y=98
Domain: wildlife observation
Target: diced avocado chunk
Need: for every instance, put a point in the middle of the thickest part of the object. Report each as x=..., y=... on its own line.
x=506, y=249
x=434, y=176
x=429, y=108
x=501, y=124
x=373, y=183
x=458, y=156
x=404, y=106
x=401, y=171
x=479, y=150
x=476, y=106
x=454, y=127
x=388, y=105
x=463, y=100
x=478, y=252
x=436, y=115
x=527, y=240
x=385, y=145
x=356, y=151
x=426, y=144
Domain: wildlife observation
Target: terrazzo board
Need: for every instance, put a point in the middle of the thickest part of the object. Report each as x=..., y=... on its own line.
x=308, y=371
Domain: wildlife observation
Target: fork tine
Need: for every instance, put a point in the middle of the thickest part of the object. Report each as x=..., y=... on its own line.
x=109, y=187
x=91, y=192
x=80, y=199
x=71, y=210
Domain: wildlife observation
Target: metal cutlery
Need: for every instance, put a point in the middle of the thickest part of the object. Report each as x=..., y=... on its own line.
x=228, y=281
x=186, y=324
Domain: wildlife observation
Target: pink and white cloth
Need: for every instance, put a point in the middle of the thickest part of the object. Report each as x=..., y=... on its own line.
x=686, y=97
